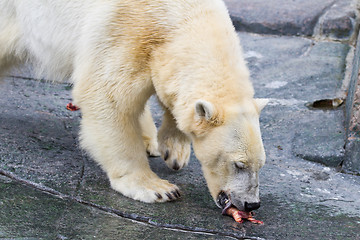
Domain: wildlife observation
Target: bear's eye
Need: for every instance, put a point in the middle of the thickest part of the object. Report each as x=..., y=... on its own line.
x=239, y=165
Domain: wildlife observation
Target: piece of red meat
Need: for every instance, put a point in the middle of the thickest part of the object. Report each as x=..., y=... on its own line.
x=72, y=107
x=240, y=215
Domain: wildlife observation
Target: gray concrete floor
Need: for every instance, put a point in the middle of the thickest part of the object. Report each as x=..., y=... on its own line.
x=50, y=189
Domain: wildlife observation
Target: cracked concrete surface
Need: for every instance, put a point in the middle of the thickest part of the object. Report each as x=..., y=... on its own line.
x=354, y=126
x=143, y=220
x=293, y=191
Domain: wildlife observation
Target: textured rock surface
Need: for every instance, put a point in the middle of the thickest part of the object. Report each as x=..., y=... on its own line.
x=50, y=189
x=328, y=18
x=299, y=198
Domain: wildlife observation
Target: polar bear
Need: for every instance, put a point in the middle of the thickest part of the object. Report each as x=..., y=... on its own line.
x=118, y=53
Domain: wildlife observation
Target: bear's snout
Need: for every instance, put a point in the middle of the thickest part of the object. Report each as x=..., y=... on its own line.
x=251, y=206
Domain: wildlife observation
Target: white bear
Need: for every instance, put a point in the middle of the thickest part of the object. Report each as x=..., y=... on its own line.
x=120, y=52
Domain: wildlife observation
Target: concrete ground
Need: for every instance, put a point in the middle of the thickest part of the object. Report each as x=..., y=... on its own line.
x=300, y=54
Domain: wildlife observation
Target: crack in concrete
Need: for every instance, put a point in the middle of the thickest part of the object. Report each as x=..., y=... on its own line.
x=81, y=177
x=83, y=165
x=308, y=49
x=130, y=216
x=27, y=78
x=317, y=32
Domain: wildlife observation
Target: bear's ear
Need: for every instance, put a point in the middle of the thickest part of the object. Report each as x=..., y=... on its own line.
x=204, y=110
x=206, y=117
x=261, y=103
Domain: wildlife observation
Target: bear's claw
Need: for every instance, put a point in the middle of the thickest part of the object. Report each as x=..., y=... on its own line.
x=171, y=196
x=158, y=195
x=176, y=193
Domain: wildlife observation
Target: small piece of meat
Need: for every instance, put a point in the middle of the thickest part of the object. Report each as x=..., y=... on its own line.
x=240, y=215
x=72, y=107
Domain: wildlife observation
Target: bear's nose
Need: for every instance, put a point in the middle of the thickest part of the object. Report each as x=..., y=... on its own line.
x=251, y=206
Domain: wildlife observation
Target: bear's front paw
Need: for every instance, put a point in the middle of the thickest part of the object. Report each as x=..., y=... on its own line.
x=147, y=188
x=175, y=152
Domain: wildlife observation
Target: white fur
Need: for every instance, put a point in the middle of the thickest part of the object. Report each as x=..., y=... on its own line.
x=120, y=52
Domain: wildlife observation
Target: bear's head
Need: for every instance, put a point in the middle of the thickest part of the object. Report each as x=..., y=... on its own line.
x=227, y=141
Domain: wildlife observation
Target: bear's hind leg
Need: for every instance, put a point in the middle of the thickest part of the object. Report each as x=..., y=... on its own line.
x=149, y=132
x=174, y=145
